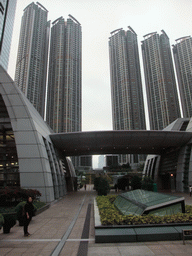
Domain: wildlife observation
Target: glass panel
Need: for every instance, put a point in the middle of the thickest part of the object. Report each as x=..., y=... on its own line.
x=148, y=198
x=172, y=209
x=138, y=201
x=9, y=167
x=127, y=207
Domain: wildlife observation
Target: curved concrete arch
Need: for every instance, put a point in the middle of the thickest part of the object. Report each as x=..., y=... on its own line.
x=37, y=160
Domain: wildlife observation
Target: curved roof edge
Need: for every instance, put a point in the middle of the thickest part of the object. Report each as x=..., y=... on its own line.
x=74, y=19
x=119, y=142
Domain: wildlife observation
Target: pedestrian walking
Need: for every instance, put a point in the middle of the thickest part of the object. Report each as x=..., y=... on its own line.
x=28, y=214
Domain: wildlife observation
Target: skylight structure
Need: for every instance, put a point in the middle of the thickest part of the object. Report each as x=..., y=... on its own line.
x=141, y=202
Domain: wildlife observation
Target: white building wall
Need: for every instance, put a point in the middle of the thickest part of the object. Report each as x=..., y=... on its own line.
x=29, y=130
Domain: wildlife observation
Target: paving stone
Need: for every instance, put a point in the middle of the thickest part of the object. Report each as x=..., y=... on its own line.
x=135, y=250
x=55, y=221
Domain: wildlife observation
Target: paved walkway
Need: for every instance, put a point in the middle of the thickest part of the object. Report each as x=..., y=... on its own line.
x=67, y=228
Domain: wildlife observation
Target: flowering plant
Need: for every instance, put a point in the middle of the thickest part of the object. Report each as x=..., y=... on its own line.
x=11, y=195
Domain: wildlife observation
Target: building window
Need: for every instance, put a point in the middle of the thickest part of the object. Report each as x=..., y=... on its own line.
x=9, y=167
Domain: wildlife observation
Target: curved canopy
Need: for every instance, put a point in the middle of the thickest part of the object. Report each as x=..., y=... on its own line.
x=119, y=142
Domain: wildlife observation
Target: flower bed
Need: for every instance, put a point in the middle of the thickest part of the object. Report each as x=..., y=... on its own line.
x=109, y=215
x=10, y=196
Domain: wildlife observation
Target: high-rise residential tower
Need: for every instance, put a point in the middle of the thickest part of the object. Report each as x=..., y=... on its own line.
x=182, y=52
x=64, y=107
x=126, y=86
x=31, y=65
x=7, y=15
x=162, y=96
x=64, y=84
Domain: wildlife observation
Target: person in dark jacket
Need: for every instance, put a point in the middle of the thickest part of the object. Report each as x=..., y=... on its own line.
x=28, y=214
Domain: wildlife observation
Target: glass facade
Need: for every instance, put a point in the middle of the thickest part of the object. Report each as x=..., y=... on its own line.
x=3, y=14
x=7, y=15
x=9, y=167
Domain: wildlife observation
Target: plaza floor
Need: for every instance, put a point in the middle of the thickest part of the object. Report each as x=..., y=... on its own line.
x=67, y=228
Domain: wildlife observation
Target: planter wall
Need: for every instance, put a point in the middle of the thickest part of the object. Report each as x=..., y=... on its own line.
x=137, y=233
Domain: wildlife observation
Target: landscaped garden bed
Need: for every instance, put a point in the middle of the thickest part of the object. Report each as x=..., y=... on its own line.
x=112, y=226
x=109, y=215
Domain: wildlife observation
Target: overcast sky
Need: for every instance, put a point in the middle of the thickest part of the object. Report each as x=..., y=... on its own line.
x=98, y=18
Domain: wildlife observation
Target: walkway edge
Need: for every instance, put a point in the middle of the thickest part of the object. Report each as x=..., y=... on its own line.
x=59, y=247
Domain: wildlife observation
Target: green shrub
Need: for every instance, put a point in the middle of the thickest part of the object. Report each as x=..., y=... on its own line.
x=9, y=222
x=122, y=183
x=38, y=204
x=136, y=182
x=111, y=198
x=147, y=184
x=1, y=220
x=96, y=182
x=19, y=212
x=7, y=209
x=110, y=215
x=103, y=187
x=188, y=209
x=19, y=209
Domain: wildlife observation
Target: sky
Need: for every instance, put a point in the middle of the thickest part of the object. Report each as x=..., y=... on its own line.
x=98, y=18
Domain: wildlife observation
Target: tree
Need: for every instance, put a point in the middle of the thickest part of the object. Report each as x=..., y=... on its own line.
x=136, y=182
x=96, y=182
x=147, y=184
x=141, y=167
x=123, y=182
x=103, y=187
x=127, y=166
